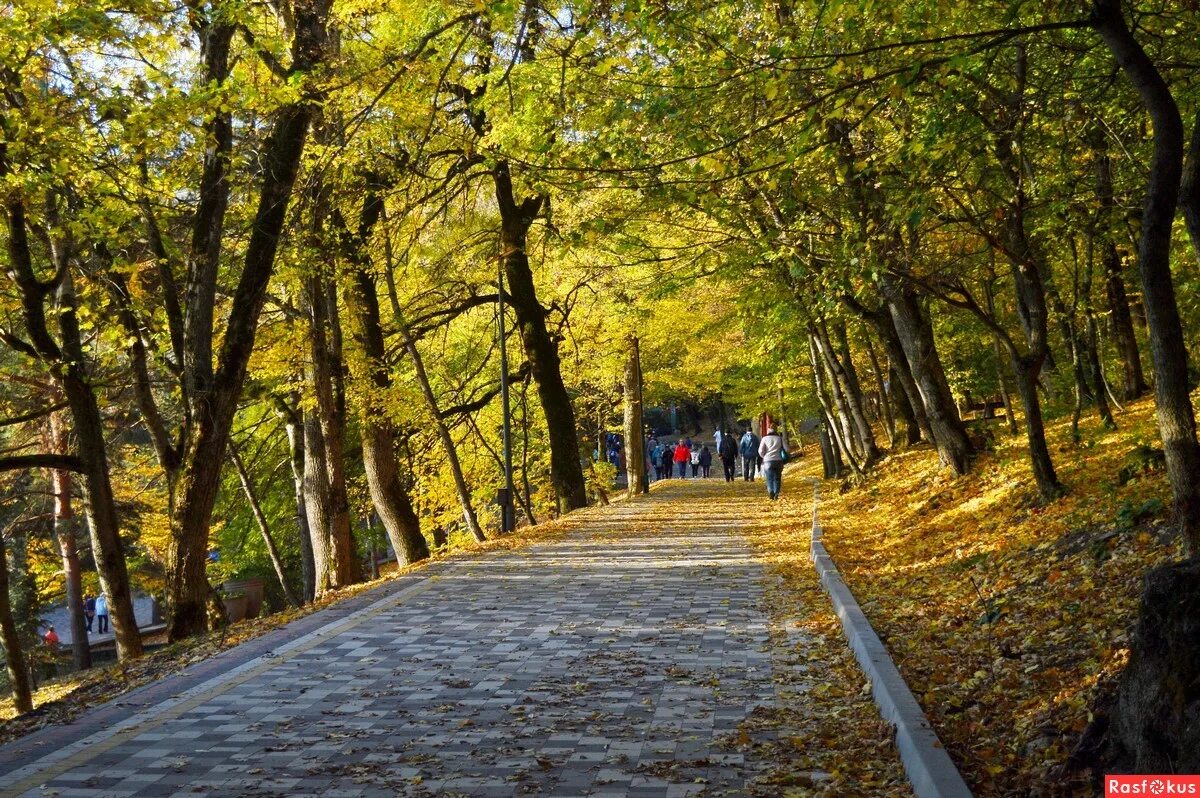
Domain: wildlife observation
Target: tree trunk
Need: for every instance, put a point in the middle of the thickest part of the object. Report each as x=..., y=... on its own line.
x=14, y=654
x=854, y=394
x=916, y=338
x=100, y=509
x=317, y=503
x=210, y=414
x=391, y=500
x=1035, y=431
x=885, y=399
x=1005, y=397
x=263, y=527
x=65, y=529
x=295, y=434
x=1176, y=417
x=324, y=379
x=1118, y=300
x=903, y=409
x=839, y=438
x=851, y=431
x=69, y=363
x=566, y=471
x=1189, y=188
x=635, y=440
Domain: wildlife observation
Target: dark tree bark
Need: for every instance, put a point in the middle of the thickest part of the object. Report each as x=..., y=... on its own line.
x=916, y=338
x=1134, y=384
x=1176, y=417
x=1028, y=271
x=635, y=435
x=1153, y=721
x=210, y=413
x=14, y=653
x=1189, y=188
x=566, y=470
x=903, y=409
x=391, y=500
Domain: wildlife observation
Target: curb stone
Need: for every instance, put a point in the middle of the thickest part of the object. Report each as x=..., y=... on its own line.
x=929, y=768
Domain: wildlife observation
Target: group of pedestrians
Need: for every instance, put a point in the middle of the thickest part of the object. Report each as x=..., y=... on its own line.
x=676, y=459
x=766, y=456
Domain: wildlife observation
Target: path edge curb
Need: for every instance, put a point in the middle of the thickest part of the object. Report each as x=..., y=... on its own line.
x=929, y=768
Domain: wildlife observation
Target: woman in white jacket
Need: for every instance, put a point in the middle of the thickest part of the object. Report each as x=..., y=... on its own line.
x=773, y=454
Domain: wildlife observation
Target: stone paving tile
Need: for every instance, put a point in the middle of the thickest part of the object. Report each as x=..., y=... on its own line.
x=605, y=664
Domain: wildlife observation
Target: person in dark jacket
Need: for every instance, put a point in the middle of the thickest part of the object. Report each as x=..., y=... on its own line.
x=668, y=460
x=728, y=452
x=748, y=448
x=705, y=460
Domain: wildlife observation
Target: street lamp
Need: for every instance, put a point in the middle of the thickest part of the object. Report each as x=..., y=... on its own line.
x=505, y=498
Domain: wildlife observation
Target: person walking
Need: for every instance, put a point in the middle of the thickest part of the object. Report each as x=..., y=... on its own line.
x=89, y=611
x=728, y=452
x=102, y=614
x=648, y=459
x=720, y=433
x=683, y=456
x=774, y=454
x=667, y=461
x=748, y=448
x=705, y=460
x=694, y=459
x=655, y=461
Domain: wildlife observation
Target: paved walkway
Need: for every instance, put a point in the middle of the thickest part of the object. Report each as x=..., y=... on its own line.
x=612, y=662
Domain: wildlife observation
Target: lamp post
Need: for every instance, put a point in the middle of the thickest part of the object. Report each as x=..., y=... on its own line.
x=507, y=519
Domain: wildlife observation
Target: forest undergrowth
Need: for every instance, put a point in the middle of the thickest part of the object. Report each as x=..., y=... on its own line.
x=1006, y=614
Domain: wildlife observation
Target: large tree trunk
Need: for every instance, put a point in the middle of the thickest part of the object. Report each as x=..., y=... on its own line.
x=916, y=338
x=325, y=383
x=100, y=507
x=635, y=435
x=318, y=503
x=541, y=350
x=1153, y=720
x=391, y=500
x=1176, y=417
x=848, y=401
x=14, y=654
x=211, y=414
x=65, y=529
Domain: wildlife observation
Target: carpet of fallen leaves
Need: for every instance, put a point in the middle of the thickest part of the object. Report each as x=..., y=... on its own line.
x=61, y=700
x=1006, y=614
x=830, y=739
